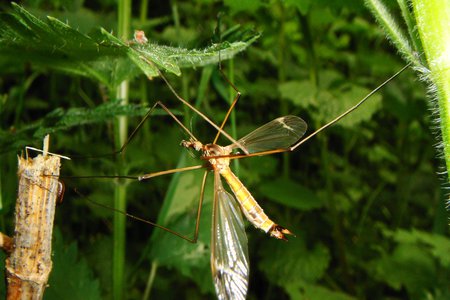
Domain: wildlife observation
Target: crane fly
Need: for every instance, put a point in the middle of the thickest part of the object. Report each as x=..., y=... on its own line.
x=229, y=253
x=229, y=246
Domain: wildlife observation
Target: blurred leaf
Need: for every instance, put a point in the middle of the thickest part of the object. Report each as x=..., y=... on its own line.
x=301, y=93
x=314, y=292
x=303, y=6
x=408, y=266
x=71, y=277
x=293, y=262
x=247, y=6
x=191, y=260
x=290, y=194
x=329, y=79
x=336, y=102
x=253, y=170
x=437, y=244
x=382, y=154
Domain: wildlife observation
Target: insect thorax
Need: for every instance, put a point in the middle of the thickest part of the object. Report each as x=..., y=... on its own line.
x=216, y=150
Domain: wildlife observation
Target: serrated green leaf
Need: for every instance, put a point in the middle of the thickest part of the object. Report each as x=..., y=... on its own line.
x=175, y=58
x=291, y=194
x=101, y=56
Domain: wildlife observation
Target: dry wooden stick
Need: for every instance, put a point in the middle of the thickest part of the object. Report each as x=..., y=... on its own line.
x=29, y=264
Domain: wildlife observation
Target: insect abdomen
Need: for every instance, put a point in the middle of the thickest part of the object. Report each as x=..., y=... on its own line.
x=250, y=207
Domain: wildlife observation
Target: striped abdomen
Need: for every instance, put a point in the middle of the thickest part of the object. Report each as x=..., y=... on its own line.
x=250, y=207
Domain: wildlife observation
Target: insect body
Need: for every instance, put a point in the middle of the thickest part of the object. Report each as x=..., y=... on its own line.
x=229, y=254
x=229, y=246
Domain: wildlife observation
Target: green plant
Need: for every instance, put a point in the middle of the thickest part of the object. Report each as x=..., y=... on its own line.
x=427, y=49
x=363, y=197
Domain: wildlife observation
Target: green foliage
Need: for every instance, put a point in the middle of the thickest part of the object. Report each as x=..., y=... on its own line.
x=59, y=119
x=362, y=197
x=308, y=265
x=424, y=47
x=290, y=194
x=413, y=263
x=71, y=277
x=101, y=57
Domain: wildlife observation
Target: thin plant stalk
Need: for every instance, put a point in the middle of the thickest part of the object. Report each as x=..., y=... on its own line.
x=120, y=192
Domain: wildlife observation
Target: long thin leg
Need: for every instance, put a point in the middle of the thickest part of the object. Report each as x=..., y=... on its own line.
x=138, y=127
x=147, y=115
x=232, y=140
x=293, y=147
x=185, y=237
x=151, y=175
x=136, y=177
x=230, y=109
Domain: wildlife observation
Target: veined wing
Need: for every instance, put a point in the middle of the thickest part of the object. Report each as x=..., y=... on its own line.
x=277, y=134
x=229, y=246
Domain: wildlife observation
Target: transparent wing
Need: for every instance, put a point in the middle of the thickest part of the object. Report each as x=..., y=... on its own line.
x=277, y=134
x=229, y=246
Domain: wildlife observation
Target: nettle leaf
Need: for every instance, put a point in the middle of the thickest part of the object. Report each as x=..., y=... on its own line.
x=100, y=56
x=291, y=194
x=71, y=277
